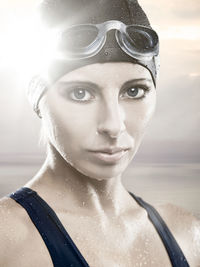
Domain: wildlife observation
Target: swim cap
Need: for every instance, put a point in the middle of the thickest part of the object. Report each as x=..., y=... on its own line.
x=56, y=13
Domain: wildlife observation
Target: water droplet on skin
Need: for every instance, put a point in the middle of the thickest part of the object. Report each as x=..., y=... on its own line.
x=59, y=194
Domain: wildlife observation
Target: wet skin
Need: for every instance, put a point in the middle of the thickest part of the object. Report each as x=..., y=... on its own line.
x=97, y=107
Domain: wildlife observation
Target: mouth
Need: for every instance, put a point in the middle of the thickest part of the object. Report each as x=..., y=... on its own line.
x=110, y=155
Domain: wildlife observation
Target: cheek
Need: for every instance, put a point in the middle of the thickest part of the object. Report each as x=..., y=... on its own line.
x=69, y=125
x=148, y=109
x=139, y=115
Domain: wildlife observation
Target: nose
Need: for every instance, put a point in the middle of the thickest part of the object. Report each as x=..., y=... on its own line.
x=112, y=117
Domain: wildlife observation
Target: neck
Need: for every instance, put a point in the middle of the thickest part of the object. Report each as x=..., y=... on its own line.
x=58, y=179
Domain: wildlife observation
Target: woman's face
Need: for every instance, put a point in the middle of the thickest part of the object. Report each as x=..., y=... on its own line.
x=96, y=116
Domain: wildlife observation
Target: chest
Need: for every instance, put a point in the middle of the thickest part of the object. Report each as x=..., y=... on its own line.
x=120, y=243
x=123, y=243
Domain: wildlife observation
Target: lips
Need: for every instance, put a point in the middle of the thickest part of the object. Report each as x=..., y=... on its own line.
x=111, y=150
x=110, y=155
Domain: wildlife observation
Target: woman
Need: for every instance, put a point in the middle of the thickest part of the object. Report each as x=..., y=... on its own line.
x=94, y=111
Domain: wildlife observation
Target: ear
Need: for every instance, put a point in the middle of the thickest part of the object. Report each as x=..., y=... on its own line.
x=36, y=89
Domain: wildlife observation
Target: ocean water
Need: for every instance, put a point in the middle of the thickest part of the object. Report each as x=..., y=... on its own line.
x=156, y=183
x=166, y=183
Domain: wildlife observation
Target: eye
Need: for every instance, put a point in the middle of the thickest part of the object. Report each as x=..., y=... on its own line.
x=80, y=94
x=134, y=92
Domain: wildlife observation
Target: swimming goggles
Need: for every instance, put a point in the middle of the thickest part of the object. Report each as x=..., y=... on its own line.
x=86, y=40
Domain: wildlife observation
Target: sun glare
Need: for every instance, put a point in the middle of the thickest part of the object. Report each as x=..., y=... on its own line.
x=25, y=45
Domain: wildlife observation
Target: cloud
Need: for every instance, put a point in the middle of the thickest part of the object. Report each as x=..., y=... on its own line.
x=186, y=9
x=173, y=12
x=180, y=32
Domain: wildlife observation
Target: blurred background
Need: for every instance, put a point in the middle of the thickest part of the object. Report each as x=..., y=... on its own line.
x=167, y=165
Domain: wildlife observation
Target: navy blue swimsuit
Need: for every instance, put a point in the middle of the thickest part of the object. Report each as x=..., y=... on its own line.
x=61, y=247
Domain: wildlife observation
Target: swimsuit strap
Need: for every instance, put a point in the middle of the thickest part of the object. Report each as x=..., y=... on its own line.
x=62, y=249
x=175, y=253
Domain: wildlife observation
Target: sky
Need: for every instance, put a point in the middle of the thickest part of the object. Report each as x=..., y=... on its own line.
x=174, y=131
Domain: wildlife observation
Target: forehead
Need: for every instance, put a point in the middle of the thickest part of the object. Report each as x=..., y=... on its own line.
x=104, y=73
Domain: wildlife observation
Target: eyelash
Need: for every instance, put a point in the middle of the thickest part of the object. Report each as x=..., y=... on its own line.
x=145, y=90
x=78, y=100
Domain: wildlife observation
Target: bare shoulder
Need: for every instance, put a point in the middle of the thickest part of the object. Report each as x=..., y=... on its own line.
x=186, y=229
x=12, y=218
x=21, y=244
x=16, y=231
x=12, y=228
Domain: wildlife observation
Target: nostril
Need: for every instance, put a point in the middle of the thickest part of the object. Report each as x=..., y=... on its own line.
x=115, y=136
x=112, y=129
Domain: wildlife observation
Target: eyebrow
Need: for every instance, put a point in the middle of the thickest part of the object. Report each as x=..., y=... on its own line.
x=94, y=85
x=78, y=82
x=135, y=81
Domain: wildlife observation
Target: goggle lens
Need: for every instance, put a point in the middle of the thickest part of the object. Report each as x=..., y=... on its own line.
x=77, y=38
x=143, y=41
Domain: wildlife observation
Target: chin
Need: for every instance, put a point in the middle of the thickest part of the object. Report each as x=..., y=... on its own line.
x=101, y=172
x=102, y=176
